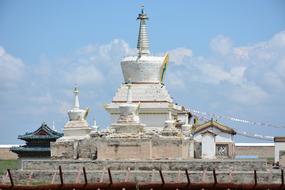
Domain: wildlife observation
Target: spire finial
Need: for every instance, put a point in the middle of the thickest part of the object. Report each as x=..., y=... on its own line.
x=142, y=7
x=76, y=99
x=142, y=46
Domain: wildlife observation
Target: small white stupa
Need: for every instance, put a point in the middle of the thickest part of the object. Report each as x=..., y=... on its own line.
x=77, y=125
x=128, y=121
x=169, y=128
x=95, y=129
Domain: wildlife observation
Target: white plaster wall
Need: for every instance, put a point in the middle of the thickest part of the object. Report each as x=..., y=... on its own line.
x=208, y=146
x=279, y=146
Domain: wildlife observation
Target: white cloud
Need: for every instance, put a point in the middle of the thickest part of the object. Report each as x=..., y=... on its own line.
x=84, y=75
x=249, y=73
x=273, y=80
x=213, y=74
x=278, y=40
x=117, y=48
x=221, y=45
x=248, y=94
x=11, y=69
x=178, y=55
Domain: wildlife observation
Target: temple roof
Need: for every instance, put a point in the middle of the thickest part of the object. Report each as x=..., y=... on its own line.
x=43, y=133
x=21, y=149
x=210, y=124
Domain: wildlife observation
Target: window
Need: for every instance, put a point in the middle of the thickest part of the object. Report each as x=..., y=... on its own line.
x=222, y=150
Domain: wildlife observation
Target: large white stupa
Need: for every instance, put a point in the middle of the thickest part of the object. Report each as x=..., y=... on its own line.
x=145, y=74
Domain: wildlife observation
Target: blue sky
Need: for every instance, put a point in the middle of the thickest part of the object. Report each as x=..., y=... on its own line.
x=227, y=57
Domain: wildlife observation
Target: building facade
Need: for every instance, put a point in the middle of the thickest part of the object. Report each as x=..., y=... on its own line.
x=215, y=139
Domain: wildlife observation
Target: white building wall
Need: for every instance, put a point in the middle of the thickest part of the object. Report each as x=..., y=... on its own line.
x=208, y=146
x=279, y=146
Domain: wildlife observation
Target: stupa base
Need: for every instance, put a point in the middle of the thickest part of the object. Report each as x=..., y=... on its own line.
x=131, y=128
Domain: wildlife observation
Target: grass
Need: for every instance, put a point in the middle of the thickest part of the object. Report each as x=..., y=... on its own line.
x=7, y=164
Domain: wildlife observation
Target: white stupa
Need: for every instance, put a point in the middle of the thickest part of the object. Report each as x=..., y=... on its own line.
x=128, y=121
x=77, y=125
x=145, y=74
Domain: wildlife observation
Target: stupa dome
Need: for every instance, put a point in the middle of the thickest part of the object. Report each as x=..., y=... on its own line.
x=144, y=69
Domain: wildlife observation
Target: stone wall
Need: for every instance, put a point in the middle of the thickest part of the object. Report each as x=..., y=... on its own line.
x=236, y=171
x=125, y=148
x=170, y=148
x=260, y=151
x=62, y=150
x=122, y=149
x=20, y=177
x=151, y=148
x=191, y=165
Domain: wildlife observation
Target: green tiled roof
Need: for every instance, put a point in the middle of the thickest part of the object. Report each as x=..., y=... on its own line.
x=30, y=149
x=42, y=133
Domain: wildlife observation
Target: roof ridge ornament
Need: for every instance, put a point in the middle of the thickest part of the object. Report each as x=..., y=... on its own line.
x=143, y=43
